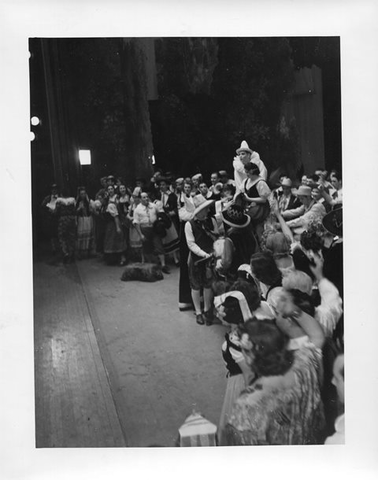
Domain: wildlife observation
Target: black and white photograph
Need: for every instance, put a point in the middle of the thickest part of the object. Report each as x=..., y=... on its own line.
x=187, y=199
x=182, y=271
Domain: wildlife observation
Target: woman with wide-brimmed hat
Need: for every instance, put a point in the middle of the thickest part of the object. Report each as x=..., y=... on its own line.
x=200, y=233
x=239, y=243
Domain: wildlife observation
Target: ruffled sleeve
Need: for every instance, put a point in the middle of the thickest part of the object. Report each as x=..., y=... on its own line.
x=112, y=209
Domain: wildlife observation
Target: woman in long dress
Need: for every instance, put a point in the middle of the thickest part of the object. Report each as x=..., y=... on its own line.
x=233, y=310
x=114, y=243
x=85, y=232
x=66, y=212
x=168, y=201
x=135, y=240
x=123, y=208
x=256, y=193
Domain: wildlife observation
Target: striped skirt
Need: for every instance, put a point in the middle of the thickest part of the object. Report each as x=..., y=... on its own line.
x=85, y=235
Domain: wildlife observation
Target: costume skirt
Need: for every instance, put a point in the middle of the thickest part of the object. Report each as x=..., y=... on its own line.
x=135, y=241
x=171, y=241
x=114, y=242
x=67, y=234
x=235, y=385
x=85, y=236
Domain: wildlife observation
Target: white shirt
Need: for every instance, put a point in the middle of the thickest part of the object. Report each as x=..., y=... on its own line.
x=239, y=172
x=145, y=215
x=314, y=211
x=191, y=241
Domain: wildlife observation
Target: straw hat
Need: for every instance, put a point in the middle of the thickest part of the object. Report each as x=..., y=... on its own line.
x=234, y=216
x=303, y=190
x=244, y=148
x=286, y=182
x=200, y=203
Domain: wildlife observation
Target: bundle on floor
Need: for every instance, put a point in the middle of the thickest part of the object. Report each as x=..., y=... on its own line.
x=142, y=272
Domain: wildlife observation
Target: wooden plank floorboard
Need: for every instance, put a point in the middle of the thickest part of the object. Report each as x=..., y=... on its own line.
x=74, y=405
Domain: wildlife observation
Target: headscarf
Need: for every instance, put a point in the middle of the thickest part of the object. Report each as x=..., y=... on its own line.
x=246, y=312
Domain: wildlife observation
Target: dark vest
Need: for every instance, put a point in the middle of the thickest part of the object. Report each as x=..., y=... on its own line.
x=252, y=192
x=232, y=367
x=202, y=238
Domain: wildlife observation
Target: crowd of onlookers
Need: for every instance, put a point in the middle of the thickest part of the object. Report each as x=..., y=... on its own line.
x=265, y=259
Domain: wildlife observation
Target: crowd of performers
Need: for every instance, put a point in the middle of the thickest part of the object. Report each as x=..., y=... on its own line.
x=264, y=260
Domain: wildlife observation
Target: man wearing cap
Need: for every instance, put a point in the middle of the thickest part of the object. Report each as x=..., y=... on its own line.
x=287, y=201
x=299, y=218
x=246, y=155
x=200, y=233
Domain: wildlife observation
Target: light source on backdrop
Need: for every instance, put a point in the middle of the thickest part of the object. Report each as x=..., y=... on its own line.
x=153, y=160
x=32, y=136
x=35, y=121
x=85, y=157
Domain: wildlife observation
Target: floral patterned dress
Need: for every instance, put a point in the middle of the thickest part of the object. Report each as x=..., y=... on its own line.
x=281, y=410
x=66, y=213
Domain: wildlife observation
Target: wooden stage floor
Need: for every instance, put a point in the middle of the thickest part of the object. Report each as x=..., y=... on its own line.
x=74, y=405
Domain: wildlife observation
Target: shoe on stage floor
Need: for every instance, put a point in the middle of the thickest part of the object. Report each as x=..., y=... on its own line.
x=199, y=319
x=165, y=269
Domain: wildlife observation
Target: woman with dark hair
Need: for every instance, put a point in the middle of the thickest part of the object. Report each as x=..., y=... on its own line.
x=233, y=310
x=256, y=193
x=282, y=406
x=85, y=233
x=266, y=413
x=259, y=308
x=268, y=275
